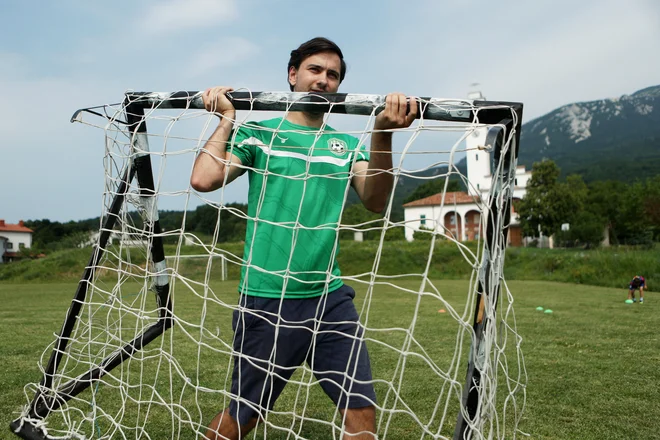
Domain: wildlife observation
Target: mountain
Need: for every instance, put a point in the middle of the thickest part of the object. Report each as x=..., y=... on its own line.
x=608, y=139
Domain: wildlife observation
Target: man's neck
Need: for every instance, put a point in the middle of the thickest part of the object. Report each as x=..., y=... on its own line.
x=314, y=120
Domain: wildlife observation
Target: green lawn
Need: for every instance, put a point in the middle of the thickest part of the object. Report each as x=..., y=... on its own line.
x=591, y=365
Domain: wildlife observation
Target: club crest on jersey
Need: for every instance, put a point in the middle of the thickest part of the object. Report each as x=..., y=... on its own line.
x=337, y=146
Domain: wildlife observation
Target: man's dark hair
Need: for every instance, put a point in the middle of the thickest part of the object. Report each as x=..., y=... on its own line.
x=311, y=47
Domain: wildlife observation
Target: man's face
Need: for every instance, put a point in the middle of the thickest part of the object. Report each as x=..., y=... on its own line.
x=317, y=73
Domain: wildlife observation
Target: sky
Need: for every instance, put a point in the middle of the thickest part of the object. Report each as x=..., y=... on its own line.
x=60, y=56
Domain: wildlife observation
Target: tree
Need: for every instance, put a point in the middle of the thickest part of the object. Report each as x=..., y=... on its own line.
x=636, y=227
x=627, y=210
x=51, y=235
x=652, y=204
x=231, y=227
x=605, y=200
x=358, y=217
x=548, y=203
x=586, y=230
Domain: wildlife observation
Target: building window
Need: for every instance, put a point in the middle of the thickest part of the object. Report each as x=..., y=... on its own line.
x=21, y=245
x=10, y=245
x=476, y=157
x=452, y=219
x=515, y=182
x=422, y=219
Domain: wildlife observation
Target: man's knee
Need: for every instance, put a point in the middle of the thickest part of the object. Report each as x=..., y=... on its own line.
x=225, y=427
x=360, y=420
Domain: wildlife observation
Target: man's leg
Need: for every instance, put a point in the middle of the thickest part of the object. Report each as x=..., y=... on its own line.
x=360, y=423
x=257, y=378
x=339, y=348
x=225, y=427
x=641, y=294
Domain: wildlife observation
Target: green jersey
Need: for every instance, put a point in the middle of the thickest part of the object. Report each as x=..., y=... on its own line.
x=298, y=181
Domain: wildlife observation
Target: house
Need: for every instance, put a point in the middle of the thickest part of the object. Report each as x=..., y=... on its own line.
x=457, y=214
x=13, y=238
x=460, y=214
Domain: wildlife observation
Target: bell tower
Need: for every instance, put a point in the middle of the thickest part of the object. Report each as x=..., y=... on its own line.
x=477, y=157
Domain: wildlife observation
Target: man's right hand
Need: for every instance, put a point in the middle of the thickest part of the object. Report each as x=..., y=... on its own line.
x=215, y=101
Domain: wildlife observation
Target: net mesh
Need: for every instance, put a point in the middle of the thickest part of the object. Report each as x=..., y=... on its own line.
x=416, y=299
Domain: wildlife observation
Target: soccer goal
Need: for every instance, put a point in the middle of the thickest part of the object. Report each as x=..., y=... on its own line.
x=145, y=350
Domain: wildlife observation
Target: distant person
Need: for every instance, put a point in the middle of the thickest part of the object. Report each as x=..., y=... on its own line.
x=637, y=283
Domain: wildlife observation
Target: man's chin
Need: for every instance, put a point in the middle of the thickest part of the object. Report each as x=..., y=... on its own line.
x=315, y=112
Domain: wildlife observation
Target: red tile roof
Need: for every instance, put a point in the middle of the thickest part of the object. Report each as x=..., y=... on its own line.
x=20, y=227
x=451, y=198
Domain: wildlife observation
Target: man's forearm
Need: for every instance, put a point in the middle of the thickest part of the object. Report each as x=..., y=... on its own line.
x=379, y=180
x=209, y=170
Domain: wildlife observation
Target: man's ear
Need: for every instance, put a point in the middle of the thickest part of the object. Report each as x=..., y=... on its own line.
x=293, y=76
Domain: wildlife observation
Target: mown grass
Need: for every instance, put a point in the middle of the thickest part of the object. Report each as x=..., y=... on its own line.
x=591, y=364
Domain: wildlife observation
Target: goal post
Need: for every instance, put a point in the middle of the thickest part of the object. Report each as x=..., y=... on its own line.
x=116, y=330
x=488, y=285
x=47, y=398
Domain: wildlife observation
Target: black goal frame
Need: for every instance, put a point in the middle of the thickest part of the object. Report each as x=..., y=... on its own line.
x=507, y=116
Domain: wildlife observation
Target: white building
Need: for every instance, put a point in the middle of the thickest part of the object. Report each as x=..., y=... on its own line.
x=123, y=239
x=479, y=172
x=459, y=214
x=13, y=238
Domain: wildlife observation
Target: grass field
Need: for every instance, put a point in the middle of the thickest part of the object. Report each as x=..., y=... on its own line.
x=591, y=365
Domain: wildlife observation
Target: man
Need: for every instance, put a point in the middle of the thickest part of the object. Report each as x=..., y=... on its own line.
x=638, y=283
x=293, y=305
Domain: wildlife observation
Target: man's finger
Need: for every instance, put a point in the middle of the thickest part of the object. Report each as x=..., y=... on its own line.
x=412, y=113
x=389, y=103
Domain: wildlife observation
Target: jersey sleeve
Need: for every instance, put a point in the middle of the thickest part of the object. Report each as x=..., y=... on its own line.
x=362, y=153
x=242, y=143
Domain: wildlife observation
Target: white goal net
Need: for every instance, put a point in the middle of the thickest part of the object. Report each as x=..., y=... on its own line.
x=147, y=348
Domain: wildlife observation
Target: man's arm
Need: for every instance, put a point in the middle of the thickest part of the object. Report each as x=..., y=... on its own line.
x=214, y=166
x=373, y=182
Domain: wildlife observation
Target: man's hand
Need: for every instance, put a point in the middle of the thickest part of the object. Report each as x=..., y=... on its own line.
x=215, y=101
x=396, y=113
x=211, y=170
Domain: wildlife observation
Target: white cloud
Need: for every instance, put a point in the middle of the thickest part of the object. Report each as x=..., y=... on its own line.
x=176, y=15
x=223, y=53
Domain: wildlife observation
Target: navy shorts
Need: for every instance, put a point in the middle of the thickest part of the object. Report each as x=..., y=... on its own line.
x=273, y=337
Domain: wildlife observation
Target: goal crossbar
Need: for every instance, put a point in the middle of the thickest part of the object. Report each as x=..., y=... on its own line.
x=438, y=109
